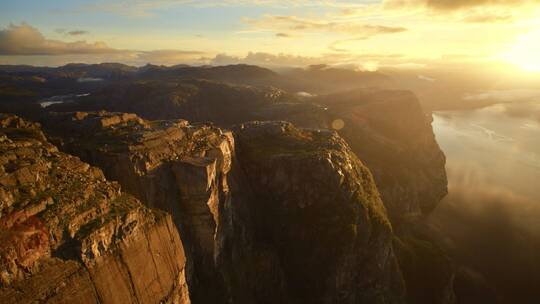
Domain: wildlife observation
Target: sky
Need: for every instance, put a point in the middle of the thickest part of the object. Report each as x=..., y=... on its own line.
x=367, y=34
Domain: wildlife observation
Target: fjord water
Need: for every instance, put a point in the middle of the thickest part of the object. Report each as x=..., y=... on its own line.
x=490, y=219
x=496, y=147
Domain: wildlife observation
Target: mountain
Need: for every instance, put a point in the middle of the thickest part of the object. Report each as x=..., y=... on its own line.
x=258, y=209
x=277, y=197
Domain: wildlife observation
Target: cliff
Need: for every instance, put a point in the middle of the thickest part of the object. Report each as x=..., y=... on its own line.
x=267, y=212
x=387, y=129
x=273, y=214
x=169, y=165
x=391, y=134
x=318, y=208
x=68, y=235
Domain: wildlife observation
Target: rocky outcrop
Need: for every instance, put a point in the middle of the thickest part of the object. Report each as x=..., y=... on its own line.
x=387, y=129
x=68, y=235
x=274, y=214
x=170, y=165
x=318, y=208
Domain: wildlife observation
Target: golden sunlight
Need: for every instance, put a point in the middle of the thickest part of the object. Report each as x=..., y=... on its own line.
x=525, y=53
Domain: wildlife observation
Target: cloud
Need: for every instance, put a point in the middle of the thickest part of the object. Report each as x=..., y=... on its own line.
x=464, y=4
x=493, y=230
x=426, y=78
x=468, y=11
x=515, y=95
x=489, y=18
x=336, y=46
x=24, y=39
x=266, y=59
x=283, y=35
x=296, y=24
x=77, y=33
x=18, y=41
x=169, y=56
x=343, y=60
x=453, y=5
x=146, y=8
x=530, y=110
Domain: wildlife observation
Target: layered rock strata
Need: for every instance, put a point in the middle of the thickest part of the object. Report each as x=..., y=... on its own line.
x=68, y=235
x=273, y=214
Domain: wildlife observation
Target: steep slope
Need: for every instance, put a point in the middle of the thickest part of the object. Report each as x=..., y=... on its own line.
x=391, y=134
x=168, y=165
x=320, y=210
x=68, y=235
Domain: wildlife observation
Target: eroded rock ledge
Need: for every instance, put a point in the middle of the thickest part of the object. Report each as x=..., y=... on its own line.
x=170, y=165
x=69, y=236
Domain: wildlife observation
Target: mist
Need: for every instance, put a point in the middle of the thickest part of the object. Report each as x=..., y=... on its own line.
x=490, y=220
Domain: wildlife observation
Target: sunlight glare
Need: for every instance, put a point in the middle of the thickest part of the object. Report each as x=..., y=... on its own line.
x=525, y=53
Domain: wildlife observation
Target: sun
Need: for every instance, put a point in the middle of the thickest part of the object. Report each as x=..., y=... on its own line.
x=525, y=53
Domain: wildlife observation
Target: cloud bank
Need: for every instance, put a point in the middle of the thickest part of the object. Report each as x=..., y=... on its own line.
x=24, y=39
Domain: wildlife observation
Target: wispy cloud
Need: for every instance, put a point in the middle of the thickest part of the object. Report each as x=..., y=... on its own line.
x=452, y=5
x=489, y=18
x=145, y=8
x=288, y=60
x=283, y=35
x=77, y=33
x=169, y=56
x=296, y=24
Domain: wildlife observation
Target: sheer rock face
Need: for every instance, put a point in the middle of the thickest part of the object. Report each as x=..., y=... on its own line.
x=169, y=165
x=67, y=235
x=389, y=132
x=387, y=129
x=291, y=217
x=318, y=208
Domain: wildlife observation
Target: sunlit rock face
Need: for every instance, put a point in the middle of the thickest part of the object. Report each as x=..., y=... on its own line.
x=70, y=236
x=169, y=165
x=317, y=207
x=273, y=214
x=387, y=129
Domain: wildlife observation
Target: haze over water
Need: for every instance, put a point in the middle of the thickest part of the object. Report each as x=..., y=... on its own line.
x=490, y=218
x=497, y=146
